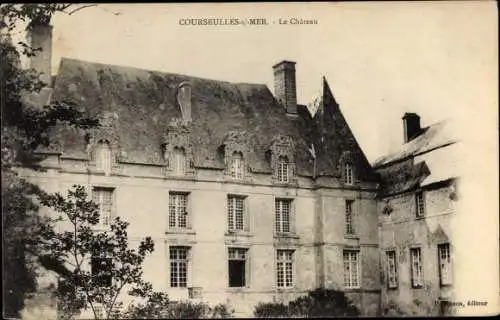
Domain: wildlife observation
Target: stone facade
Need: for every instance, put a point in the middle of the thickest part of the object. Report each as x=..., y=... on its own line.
x=175, y=134
x=141, y=196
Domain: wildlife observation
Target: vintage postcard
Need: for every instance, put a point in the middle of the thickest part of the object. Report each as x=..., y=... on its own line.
x=253, y=159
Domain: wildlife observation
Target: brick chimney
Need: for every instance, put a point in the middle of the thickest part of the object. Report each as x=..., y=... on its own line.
x=284, y=85
x=411, y=124
x=40, y=36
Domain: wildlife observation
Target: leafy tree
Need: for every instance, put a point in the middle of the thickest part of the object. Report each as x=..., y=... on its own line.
x=24, y=129
x=69, y=244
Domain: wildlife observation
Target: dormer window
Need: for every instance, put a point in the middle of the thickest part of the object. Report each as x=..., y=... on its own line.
x=348, y=174
x=283, y=169
x=179, y=161
x=237, y=165
x=103, y=156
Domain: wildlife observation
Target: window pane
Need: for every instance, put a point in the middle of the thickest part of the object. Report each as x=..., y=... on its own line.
x=349, y=217
x=177, y=216
x=284, y=268
x=391, y=269
x=104, y=199
x=179, y=161
x=103, y=157
x=445, y=271
x=420, y=204
x=348, y=174
x=236, y=213
x=282, y=169
x=282, y=215
x=351, y=269
x=178, y=266
x=237, y=165
x=416, y=264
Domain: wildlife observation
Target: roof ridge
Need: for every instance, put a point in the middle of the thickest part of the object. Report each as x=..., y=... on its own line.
x=157, y=71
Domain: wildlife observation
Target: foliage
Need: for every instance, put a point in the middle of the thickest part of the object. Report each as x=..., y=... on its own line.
x=176, y=310
x=271, y=310
x=318, y=303
x=24, y=129
x=69, y=251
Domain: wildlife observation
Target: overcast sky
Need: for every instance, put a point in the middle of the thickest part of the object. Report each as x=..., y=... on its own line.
x=380, y=59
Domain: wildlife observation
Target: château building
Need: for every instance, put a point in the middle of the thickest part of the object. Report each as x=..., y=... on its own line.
x=248, y=197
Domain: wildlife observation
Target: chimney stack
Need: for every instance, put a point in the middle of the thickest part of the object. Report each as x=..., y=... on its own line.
x=284, y=85
x=40, y=36
x=411, y=124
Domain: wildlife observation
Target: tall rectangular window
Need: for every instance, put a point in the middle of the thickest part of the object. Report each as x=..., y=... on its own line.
x=445, y=266
x=417, y=279
x=103, y=197
x=392, y=271
x=282, y=215
x=351, y=269
x=237, y=267
x=236, y=212
x=101, y=271
x=349, y=223
x=178, y=266
x=177, y=210
x=284, y=268
x=420, y=204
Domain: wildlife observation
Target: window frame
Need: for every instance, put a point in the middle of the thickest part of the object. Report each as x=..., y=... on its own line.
x=416, y=282
x=350, y=228
x=178, y=279
x=395, y=284
x=348, y=173
x=177, y=195
x=103, y=157
x=231, y=213
x=420, y=204
x=100, y=190
x=287, y=266
x=291, y=227
x=283, y=169
x=357, y=254
x=179, y=161
x=237, y=166
x=449, y=278
x=246, y=259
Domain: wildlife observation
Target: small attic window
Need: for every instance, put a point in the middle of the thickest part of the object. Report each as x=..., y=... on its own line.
x=237, y=165
x=103, y=156
x=179, y=161
x=348, y=174
x=283, y=169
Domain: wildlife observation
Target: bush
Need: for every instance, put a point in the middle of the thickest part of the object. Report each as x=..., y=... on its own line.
x=271, y=310
x=177, y=310
x=318, y=303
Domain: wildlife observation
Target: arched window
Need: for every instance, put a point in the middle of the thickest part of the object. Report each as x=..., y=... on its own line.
x=179, y=161
x=103, y=156
x=348, y=174
x=237, y=165
x=283, y=168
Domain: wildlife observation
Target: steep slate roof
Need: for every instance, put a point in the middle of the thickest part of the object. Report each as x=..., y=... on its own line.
x=432, y=137
x=144, y=102
x=429, y=158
